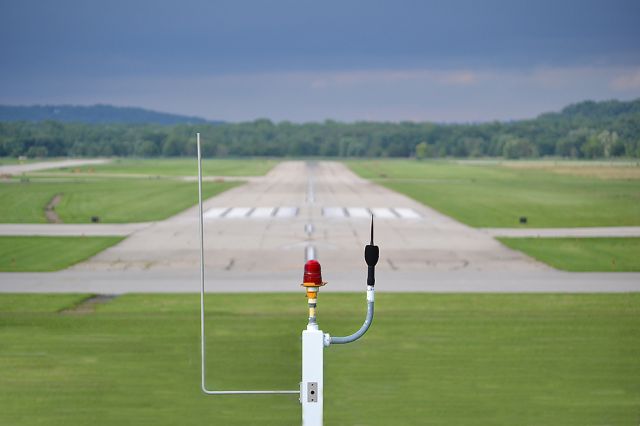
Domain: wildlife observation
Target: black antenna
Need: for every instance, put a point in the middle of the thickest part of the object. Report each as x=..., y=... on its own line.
x=371, y=243
x=371, y=255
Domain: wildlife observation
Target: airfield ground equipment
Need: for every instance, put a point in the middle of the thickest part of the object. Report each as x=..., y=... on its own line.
x=314, y=340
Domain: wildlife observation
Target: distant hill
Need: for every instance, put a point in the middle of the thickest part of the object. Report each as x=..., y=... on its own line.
x=595, y=112
x=94, y=114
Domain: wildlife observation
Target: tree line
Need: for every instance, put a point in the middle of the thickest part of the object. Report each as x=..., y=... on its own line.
x=585, y=130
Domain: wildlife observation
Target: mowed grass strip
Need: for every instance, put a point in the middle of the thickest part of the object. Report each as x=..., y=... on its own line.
x=582, y=254
x=42, y=254
x=177, y=167
x=11, y=161
x=427, y=360
x=489, y=195
x=38, y=304
x=112, y=200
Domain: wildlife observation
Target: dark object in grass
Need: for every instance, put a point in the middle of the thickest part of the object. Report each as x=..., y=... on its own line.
x=523, y=220
x=88, y=304
x=95, y=219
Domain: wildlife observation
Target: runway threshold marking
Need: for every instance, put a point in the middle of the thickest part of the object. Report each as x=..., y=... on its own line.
x=262, y=212
x=287, y=212
x=237, y=212
x=383, y=213
x=215, y=212
x=334, y=212
x=406, y=213
x=358, y=212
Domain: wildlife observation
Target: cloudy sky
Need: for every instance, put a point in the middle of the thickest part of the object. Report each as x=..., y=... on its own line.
x=452, y=60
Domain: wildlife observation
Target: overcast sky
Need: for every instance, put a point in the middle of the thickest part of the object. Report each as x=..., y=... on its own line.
x=453, y=60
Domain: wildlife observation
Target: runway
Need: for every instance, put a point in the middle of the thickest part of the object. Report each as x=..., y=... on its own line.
x=258, y=236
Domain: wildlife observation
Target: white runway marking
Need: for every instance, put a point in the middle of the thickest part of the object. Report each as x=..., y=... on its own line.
x=329, y=212
x=310, y=252
x=406, y=213
x=333, y=212
x=262, y=212
x=358, y=212
x=215, y=212
x=287, y=212
x=238, y=212
x=383, y=213
x=308, y=228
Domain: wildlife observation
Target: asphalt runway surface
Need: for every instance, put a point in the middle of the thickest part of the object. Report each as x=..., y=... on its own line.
x=258, y=236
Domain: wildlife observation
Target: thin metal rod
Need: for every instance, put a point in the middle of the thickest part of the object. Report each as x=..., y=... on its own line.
x=202, y=339
x=371, y=243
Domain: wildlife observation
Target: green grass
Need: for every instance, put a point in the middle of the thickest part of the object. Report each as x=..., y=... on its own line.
x=37, y=304
x=496, y=196
x=114, y=200
x=41, y=254
x=582, y=254
x=178, y=167
x=10, y=161
x=427, y=360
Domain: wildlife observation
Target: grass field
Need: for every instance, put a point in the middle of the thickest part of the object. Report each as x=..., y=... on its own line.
x=177, y=167
x=113, y=200
x=494, y=195
x=582, y=254
x=41, y=254
x=427, y=360
x=10, y=161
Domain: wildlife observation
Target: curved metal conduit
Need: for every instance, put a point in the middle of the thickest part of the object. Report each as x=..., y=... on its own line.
x=367, y=323
x=202, y=329
x=371, y=255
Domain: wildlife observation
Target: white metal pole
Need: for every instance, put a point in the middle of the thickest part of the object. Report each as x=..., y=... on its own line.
x=312, y=386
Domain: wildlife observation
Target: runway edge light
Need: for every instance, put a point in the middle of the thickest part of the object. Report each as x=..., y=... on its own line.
x=314, y=340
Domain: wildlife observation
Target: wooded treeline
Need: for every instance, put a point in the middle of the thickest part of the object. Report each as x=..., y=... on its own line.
x=584, y=130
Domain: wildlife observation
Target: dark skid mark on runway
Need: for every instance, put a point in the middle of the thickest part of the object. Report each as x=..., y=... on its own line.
x=392, y=265
x=465, y=263
x=232, y=262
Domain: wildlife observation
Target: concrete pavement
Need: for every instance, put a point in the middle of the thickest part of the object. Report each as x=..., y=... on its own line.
x=257, y=237
x=221, y=281
x=71, y=229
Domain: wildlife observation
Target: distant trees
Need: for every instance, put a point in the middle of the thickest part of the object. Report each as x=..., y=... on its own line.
x=518, y=148
x=422, y=150
x=586, y=130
